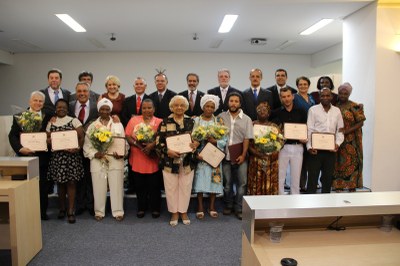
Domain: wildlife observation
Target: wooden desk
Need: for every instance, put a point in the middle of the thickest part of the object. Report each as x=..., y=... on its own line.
x=20, y=225
x=305, y=237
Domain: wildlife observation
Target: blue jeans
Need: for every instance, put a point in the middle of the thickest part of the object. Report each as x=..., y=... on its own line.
x=234, y=174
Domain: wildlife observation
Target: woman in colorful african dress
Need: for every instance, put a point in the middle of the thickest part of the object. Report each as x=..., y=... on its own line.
x=349, y=162
x=262, y=177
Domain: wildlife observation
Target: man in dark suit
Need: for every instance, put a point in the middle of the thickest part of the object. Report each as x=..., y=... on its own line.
x=255, y=94
x=36, y=103
x=223, y=90
x=87, y=77
x=193, y=95
x=132, y=104
x=162, y=96
x=54, y=92
x=86, y=111
x=280, y=79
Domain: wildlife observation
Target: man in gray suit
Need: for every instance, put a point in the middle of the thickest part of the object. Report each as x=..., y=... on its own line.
x=86, y=76
x=255, y=94
x=85, y=110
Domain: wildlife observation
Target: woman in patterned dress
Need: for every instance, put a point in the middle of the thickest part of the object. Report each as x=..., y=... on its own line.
x=65, y=166
x=208, y=179
x=349, y=161
x=262, y=178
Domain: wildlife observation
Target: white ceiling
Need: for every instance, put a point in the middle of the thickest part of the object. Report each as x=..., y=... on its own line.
x=156, y=25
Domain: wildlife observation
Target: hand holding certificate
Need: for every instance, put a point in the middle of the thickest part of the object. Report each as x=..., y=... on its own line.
x=212, y=155
x=180, y=143
x=117, y=147
x=323, y=141
x=295, y=131
x=64, y=140
x=34, y=141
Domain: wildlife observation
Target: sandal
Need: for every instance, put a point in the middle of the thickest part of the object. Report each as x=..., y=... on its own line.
x=61, y=214
x=119, y=218
x=98, y=218
x=200, y=215
x=71, y=218
x=213, y=214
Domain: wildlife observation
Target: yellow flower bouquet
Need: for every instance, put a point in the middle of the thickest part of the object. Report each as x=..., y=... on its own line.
x=29, y=121
x=270, y=141
x=101, y=138
x=199, y=133
x=144, y=133
x=217, y=131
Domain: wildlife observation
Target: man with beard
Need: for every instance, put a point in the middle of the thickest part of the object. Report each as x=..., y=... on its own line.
x=235, y=164
x=193, y=95
x=323, y=118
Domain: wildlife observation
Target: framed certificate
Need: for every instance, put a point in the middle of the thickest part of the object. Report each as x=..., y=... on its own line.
x=118, y=145
x=34, y=141
x=323, y=141
x=295, y=131
x=212, y=155
x=260, y=130
x=180, y=143
x=64, y=140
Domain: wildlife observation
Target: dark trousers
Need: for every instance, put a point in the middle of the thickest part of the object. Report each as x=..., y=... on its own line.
x=148, y=191
x=324, y=162
x=84, y=188
x=44, y=183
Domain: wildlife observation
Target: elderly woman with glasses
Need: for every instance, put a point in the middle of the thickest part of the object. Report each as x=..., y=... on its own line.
x=177, y=168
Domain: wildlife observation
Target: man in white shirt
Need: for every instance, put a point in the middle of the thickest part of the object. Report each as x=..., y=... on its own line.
x=323, y=118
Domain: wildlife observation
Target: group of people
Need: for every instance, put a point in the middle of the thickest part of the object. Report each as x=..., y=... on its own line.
x=86, y=173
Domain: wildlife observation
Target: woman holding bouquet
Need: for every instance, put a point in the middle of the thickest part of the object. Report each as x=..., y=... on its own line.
x=177, y=169
x=208, y=179
x=105, y=167
x=65, y=166
x=140, y=133
x=262, y=178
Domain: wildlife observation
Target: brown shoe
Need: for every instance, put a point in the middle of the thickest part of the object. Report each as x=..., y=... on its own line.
x=227, y=211
x=119, y=218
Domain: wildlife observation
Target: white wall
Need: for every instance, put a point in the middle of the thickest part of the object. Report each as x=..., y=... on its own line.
x=29, y=71
x=373, y=70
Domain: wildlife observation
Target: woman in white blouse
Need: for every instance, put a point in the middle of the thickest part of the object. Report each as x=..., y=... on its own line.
x=106, y=167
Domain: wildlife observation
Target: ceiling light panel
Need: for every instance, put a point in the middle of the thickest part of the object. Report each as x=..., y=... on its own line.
x=67, y=19
x=227, y=23
x=317, y=26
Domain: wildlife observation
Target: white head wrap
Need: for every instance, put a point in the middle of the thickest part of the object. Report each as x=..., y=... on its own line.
x=209, y=98
x=104, y=101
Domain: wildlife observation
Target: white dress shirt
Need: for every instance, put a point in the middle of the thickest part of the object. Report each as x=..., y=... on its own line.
x=325, y=122
x=78, y=109
x=53, y=95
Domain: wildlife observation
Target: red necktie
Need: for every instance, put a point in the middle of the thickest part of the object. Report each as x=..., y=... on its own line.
x=81, y=115
x=138, y=102
x=191, y=101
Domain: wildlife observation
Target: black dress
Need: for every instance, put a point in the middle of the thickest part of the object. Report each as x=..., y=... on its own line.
x=65, y=166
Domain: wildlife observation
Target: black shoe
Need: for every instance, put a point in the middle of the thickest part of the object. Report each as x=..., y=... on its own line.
x=287, y=187
x=44, y=217
x=227, y=211
x=80, y=211
x=239, y=215
x=140, y=214
x=91, y=212
x=155, y=215
x=130, y=191
x=61, y=214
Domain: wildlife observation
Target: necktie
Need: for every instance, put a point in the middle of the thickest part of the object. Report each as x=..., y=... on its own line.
x=56, y=96
x=159, y=97
x=81, y=115
x=255, y=95
x=138, y=102
x=191, y=101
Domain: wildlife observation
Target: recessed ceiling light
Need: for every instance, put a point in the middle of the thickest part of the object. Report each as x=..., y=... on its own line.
x=320, y=24
x=227, y=23
x=67, y=19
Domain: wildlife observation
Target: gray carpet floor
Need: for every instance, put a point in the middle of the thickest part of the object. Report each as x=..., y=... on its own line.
x=145, y=241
